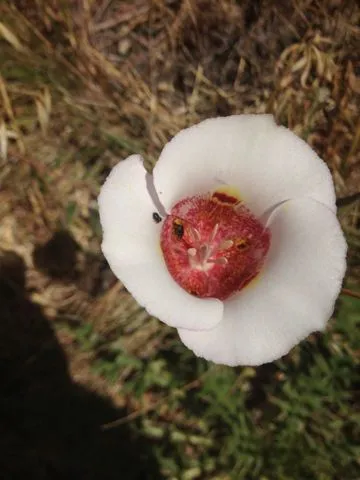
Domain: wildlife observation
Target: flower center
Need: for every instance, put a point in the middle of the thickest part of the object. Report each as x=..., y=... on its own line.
x=213, y=245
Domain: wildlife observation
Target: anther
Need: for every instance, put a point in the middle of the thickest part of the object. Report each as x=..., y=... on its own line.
x=195, y=234
x=226, y=244
x=219, y=261
x=214, y=232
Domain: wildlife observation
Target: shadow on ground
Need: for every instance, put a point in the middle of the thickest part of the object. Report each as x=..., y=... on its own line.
x=50, y=426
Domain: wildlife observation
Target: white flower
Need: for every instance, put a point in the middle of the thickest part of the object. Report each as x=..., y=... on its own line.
x=301, y=257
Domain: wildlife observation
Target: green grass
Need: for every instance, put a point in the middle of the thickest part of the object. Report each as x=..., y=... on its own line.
x=293, y=419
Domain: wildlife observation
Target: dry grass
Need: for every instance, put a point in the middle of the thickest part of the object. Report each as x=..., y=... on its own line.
x=84, y=83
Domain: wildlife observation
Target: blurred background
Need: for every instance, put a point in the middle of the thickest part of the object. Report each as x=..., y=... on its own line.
x=91, y=386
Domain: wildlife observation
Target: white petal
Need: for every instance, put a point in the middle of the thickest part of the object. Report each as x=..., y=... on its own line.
x=126, y=210
x=131, y=245
x=267, y=163
x=293, y=296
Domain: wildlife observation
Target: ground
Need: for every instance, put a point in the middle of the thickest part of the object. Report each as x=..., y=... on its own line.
x=92, y=387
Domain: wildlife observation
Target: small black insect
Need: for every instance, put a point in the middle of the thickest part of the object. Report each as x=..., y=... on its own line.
x=178, y=229
x=156, y=217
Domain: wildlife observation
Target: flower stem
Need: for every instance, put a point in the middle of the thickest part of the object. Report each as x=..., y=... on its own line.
x=350, y=293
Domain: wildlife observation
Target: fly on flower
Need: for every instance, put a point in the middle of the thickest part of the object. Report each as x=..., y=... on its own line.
x=178, y=229
x=156, y=217
x=249, y=258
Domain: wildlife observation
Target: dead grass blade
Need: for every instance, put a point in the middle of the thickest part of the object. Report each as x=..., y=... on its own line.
x=10, y=113
x=3, y=141
x=43, y=108
x=11, y=38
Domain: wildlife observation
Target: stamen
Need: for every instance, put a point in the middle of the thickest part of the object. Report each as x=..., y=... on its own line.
x=218, y=261
x=214, y=232
x=195, y=234
x=226, y=244
x=192, y=252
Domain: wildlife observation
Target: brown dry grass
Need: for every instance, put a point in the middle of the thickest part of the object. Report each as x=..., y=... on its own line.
x=79, y=75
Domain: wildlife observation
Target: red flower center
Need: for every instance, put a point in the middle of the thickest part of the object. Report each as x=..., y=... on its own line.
x=213, y=245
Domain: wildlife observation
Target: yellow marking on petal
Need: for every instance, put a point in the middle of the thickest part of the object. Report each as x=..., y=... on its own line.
x=159, y=249
x=254, y=281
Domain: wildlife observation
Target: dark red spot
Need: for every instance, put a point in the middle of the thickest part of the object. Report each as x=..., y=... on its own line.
x=225, y=198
